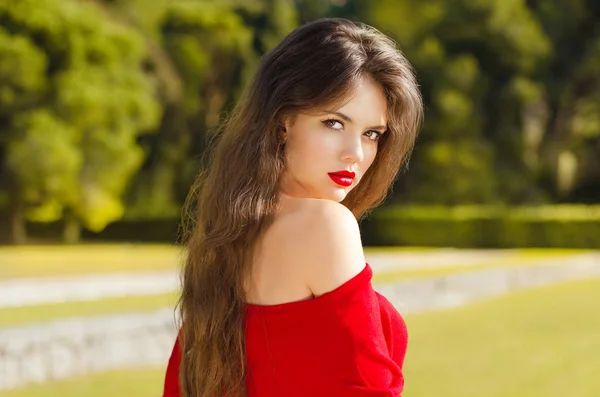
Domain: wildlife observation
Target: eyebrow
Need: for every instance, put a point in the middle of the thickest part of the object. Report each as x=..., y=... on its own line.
x=349, y=120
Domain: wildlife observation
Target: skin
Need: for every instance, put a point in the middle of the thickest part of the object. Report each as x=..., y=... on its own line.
x=314, y=244
x=326, y=142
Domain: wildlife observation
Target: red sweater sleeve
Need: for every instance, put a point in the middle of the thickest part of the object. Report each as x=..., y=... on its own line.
x=350, y=342
x=394, y=328
x=171, y=386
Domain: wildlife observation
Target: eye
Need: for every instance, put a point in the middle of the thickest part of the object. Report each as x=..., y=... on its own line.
x=377, y=135
x=331, y=123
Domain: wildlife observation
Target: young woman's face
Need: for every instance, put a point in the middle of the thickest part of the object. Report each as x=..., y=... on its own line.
x=334, y=140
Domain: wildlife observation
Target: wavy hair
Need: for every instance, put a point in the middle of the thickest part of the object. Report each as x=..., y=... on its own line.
x=235, y=196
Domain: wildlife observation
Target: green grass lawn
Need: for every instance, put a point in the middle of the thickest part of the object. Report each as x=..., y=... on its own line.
x=142, y=382
x=532, y=343
x=62, y=260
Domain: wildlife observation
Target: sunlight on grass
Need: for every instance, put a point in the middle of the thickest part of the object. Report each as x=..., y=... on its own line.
x=523, y=258
x=40, y=261
x=46, y=261
x=532, y=343
x=143, y=382
x=14, y=316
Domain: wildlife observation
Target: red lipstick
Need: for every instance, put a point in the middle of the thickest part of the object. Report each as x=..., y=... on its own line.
x=343, y=178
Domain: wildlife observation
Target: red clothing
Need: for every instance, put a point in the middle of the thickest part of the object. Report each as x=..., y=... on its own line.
x=349, y=342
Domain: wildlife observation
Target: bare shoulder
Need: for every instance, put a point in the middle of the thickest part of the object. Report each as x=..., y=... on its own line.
x=327, y=244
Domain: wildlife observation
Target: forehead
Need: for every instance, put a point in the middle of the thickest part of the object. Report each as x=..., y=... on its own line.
x=365, y=105
x=366, y=101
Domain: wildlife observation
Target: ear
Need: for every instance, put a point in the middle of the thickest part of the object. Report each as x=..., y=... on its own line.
x=287, y=122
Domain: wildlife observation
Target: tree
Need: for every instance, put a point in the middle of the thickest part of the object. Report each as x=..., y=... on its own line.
x=71, y=138
x=213, y=47
x=569, y=157
x=475, y=61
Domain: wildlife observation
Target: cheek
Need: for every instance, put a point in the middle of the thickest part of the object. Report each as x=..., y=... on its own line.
x=312, y=148
x=370, y=154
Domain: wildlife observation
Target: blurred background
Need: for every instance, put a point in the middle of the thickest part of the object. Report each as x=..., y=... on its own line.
x=489, y=244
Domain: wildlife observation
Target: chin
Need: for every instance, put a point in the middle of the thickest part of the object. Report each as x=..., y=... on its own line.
x=337, y=195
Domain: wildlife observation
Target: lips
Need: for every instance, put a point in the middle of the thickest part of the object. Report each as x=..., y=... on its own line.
x=344, y=173
x=342, y=178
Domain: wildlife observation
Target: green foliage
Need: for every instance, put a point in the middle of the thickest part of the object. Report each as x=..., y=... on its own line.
x=22, y=72
x=469, y=163
x=282, y=19
x=213, y=47
x=44, y=157
x=71, y=141
x=585, y=122
x=567, y=226
x=526, y=90
x=105, y=106
x=510, y=30
x=572, y=93
x=208, y=43
x=464, y=53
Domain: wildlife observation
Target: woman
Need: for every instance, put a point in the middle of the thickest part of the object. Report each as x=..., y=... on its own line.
x=277, y=297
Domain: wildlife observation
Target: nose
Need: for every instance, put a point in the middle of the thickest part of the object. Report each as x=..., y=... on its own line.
x=353, y=149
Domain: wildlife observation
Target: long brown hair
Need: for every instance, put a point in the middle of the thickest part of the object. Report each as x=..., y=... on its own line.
x=235, y=196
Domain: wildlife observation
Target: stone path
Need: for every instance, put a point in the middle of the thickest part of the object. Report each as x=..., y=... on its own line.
x=37, y=353
x=35, y=291
x=442, y=257
x=455, y=290
x=62, y=349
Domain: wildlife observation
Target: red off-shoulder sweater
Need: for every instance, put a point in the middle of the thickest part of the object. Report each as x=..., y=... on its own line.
x=349, y=342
